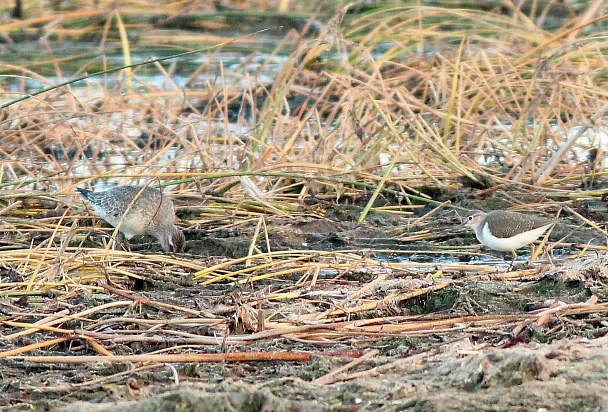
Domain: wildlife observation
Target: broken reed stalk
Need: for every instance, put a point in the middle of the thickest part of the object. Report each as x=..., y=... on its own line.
x=356, y=113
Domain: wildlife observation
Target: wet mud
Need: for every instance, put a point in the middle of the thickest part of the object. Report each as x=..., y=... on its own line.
x=558, y=361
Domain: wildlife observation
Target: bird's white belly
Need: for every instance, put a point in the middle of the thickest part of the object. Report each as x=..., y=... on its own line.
x=510, y=243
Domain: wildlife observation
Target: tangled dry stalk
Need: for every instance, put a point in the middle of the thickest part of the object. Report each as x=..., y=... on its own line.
x=394, y=111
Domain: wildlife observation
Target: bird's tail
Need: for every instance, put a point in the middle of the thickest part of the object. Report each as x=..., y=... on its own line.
x=84, y=193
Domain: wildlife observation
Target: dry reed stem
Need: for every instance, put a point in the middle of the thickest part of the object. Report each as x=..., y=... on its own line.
x=385, y=327
x=209, y=357
x=374, y=111
x=329, y=377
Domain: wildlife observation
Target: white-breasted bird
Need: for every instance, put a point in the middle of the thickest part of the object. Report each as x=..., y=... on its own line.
x=506, y=231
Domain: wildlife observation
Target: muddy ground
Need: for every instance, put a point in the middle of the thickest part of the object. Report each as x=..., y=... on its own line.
x=554, y=362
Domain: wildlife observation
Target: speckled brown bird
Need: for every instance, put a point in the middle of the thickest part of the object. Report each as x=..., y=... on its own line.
x=148, y=212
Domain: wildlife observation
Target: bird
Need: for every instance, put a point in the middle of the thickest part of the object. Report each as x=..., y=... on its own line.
x=138, y=210
x=506, y=231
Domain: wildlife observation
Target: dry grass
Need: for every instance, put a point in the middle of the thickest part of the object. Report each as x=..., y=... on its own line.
x=374, y=110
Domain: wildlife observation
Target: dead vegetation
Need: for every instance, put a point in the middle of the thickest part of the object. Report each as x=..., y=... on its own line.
x=319, y=191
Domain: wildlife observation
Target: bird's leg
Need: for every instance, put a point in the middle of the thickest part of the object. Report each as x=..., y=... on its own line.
x=124, y=242
x=119, y=239
x=533, y=254
x=514, y=255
